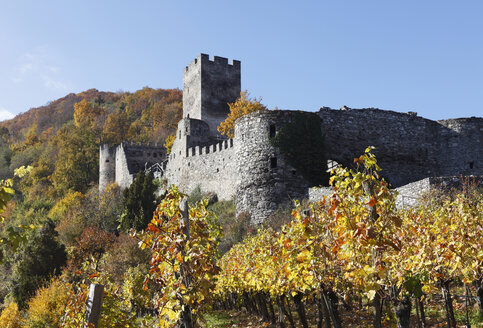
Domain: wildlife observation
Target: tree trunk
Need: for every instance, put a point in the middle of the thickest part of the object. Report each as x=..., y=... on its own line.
x=186, y=320
x=377, y=311
x=403, y=312
x=421, y=312
x=280, y=321
x=263, y=306
x=246, y=302
x=286, y=310
x=418, y=318
x=479, y=295
x=468, y=325
x=334, y=309
x=254, y=303
x=448, y=302
x=322, y=313
x=299, y=305
x=270, y=307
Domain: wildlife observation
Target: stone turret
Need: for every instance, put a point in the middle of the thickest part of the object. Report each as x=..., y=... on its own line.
x=107, y=166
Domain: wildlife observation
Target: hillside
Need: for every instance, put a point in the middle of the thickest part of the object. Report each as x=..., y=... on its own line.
x=145, y=115
x=155, y=112
x=61, y=142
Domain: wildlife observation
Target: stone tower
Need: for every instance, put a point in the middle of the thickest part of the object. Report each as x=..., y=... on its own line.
x=208, y=85
x=107, y=166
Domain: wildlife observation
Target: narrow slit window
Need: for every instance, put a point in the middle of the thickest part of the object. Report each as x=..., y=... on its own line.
x=272, y=130
x=273, y=162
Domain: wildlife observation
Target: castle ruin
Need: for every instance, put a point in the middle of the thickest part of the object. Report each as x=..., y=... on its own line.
x=251, y=170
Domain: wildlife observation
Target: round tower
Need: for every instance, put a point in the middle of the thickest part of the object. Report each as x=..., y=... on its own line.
x=265, y=180
x=107, y=166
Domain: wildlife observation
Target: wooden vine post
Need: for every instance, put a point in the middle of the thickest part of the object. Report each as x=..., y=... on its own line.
x=186, y=320
x=94, y=305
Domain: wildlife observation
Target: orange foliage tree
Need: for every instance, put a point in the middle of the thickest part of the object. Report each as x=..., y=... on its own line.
x=242, y=106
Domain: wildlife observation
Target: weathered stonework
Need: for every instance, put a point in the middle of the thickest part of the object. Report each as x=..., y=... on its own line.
x=409, y=148
x=208, y=85
x=121, y=163
x=410, y=194
x=264, y=180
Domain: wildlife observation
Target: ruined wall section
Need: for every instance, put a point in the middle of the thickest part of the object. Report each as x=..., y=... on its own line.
x=264, y=180
x=211, y=167
x=132, y=158
x=411, y=194
x=408, y=147
x=462, y=146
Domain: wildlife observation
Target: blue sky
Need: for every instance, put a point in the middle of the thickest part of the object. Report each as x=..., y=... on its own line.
x=424, y=56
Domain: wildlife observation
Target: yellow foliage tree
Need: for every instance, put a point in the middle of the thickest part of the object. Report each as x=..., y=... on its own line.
x=47, y=307
x=241, y=107
x=85, y=113
x=168, y=143
x=69, y=215
x=116, y=128
x=11, y=316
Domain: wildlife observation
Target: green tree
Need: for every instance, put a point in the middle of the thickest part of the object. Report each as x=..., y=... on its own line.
x=139, y=202
x=41, y=258
x=76, y=163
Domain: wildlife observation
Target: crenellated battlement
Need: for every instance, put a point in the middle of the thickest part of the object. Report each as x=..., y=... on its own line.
x=204, y=59
x=132, y=144
x=209, y=149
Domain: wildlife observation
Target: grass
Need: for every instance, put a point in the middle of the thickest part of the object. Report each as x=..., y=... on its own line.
x=217, y=320
x=360, y=318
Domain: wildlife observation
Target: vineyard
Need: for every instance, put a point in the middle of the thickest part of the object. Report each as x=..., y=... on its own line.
x=354, y=247
x=349, y=260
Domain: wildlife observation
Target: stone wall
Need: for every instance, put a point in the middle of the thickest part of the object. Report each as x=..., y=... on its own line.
x=461, y=146
x=210, y=167
x=408, y=147
x=132, y=158
x=318, y=193
x=410, y=194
